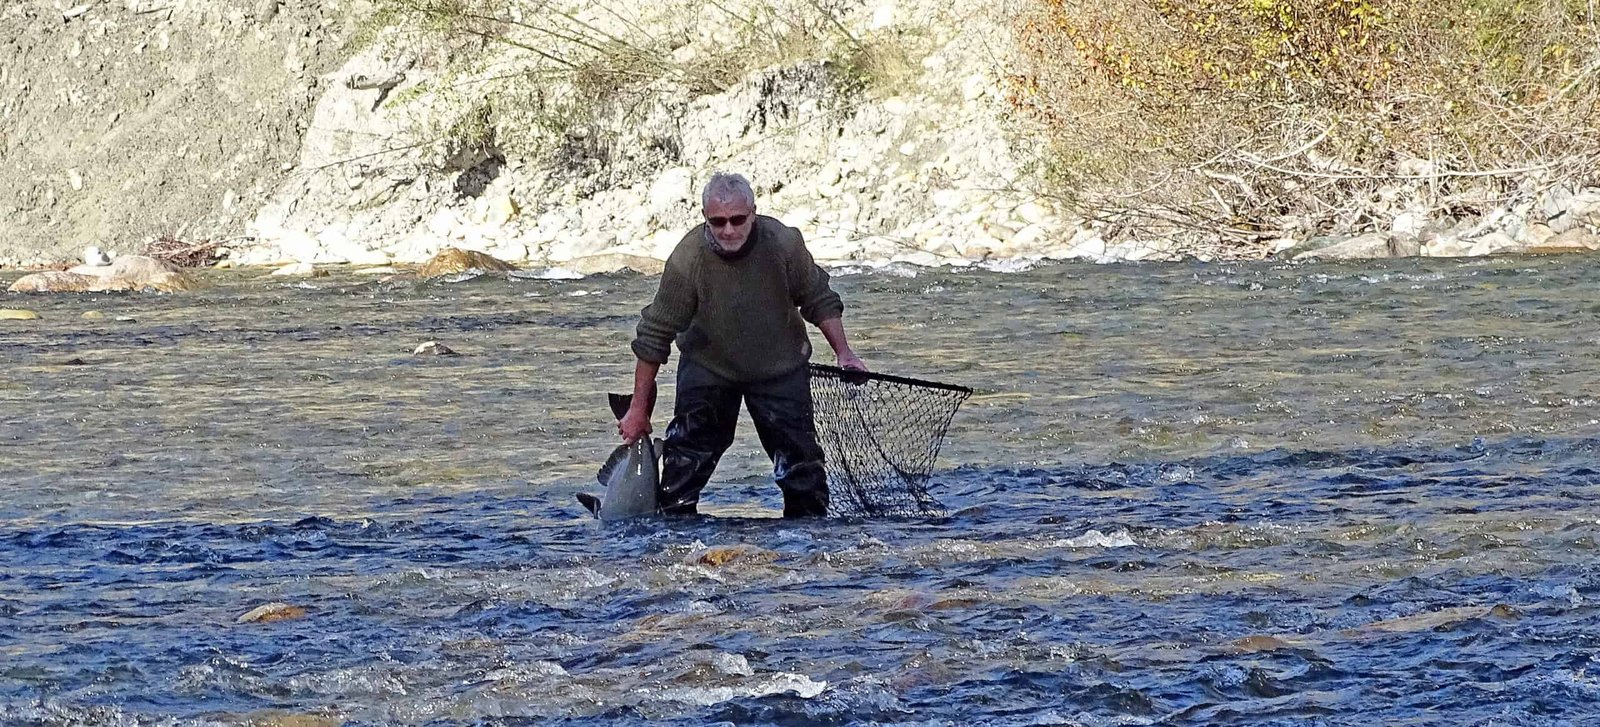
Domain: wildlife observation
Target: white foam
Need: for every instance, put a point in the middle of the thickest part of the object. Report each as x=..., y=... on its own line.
x=800, y=685
x=548, y=274
x=1097, y=539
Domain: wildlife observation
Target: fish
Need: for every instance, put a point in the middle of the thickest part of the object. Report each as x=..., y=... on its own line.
x=630, y=475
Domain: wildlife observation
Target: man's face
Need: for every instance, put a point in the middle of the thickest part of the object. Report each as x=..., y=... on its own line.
x=730, y=222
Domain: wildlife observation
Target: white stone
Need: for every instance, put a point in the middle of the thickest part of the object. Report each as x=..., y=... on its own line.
x=1491, y=243
x=908, y=148
x=444, y=222
x=1447, y=246
x=975, y=87
x=1032, y=213
x=75, y=180
x=95, y=257
x=1410, y=223
x=661, y=243
x=896, y=106
x=883, y=15
x=509, y=250
x=500, y=211
x=367, y=257
x=800, y=217
x=830, y=248
x=673, y=187
x=1535, y=235
x=296, y=269
x=948, y=198
x=1092, y=247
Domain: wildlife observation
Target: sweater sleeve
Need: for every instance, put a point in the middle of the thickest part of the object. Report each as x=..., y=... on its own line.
x=669, y=314
x=812, y=293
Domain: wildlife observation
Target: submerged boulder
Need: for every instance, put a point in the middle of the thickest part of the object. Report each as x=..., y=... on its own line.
x=128, y=273
x=271, y=612
x=452, y=260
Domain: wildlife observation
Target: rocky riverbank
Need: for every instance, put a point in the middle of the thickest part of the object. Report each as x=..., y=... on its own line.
x=266, y=126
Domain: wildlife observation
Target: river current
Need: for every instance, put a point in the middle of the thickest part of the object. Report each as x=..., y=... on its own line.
x=1181, y=494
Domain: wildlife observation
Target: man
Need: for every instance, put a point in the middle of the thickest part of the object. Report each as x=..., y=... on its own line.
x=736, y=294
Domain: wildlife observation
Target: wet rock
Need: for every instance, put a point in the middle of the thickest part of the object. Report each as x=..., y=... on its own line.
x=17, y=314
x=299, y=269
x=128, y=273
x=452, y=260
x=93, y=315
x=1430, y=621
x=1493, y=243
x=1255, y=644
x=610, y=263
x=718, y=556
x=1573, y=240
x=74, y=362
x=1447, y=246
x=274, y=718
x=1363, y=247
x=433, y=348
x=272, y=612
x=54, y=281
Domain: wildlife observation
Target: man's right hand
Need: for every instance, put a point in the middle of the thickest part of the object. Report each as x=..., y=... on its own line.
x=634, y=424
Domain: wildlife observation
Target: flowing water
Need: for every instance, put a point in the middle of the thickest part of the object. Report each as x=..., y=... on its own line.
x=1183, y=494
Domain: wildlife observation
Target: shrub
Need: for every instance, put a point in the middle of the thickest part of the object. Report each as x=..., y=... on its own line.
x=1245, y=120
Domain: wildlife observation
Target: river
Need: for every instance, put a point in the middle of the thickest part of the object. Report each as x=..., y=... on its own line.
x=1253, y=493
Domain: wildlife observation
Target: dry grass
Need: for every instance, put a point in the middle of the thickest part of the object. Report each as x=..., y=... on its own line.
x=184, y=253
x=1243, y=122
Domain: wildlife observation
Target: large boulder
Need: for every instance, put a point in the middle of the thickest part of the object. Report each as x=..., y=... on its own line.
x=452, y=260
x=1573, y=240
x=54, y=281
x=1363, y=247
x=613, y=262
x=128, y=273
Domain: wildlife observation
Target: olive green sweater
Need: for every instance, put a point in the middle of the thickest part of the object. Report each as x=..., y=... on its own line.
x=743, y=315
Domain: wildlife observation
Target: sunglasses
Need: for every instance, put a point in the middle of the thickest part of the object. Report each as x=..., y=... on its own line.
x=735, y=220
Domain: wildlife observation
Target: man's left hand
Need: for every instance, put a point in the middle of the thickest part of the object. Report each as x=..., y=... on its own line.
x=852, y=362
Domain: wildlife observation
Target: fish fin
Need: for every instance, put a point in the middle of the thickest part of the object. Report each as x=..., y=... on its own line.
x=618, y=456
x=591, y=502
x=620, y=404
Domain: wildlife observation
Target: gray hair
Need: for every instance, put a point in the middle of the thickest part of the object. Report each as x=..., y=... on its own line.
x=728, y=187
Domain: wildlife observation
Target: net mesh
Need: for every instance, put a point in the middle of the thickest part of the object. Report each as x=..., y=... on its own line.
x=881, y=435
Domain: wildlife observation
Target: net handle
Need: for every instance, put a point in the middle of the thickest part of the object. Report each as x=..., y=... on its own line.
x=848, y=374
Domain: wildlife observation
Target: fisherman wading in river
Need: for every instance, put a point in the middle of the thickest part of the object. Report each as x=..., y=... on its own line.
x=736, y=295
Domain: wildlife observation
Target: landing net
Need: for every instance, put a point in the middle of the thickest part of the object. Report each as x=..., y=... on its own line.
x=881, y=435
